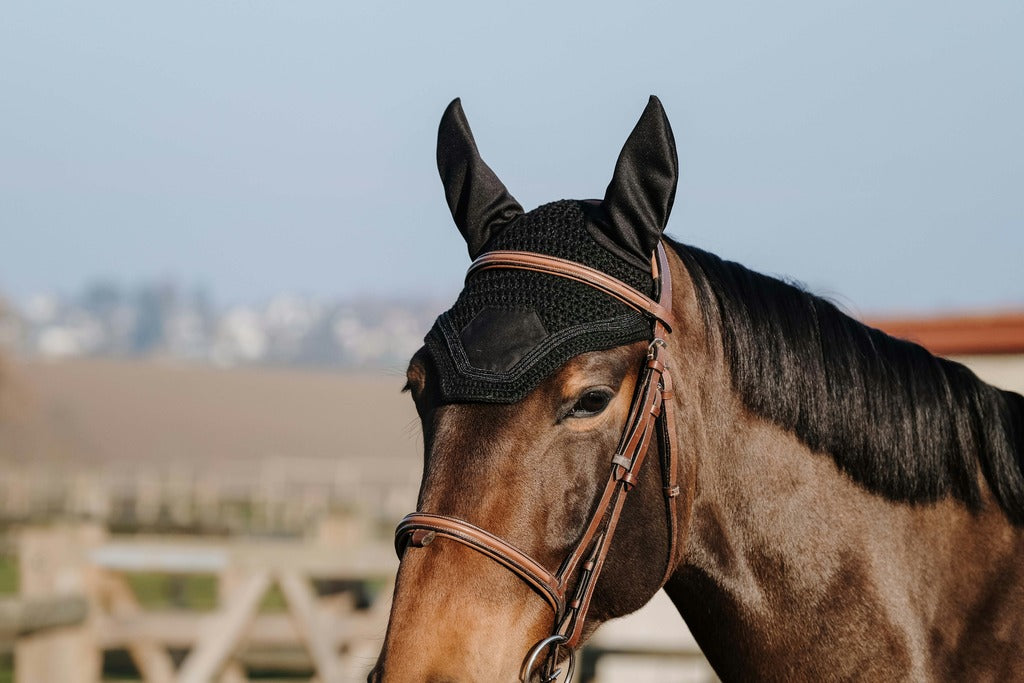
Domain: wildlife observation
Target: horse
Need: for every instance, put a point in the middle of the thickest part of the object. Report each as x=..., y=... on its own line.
x=819, y=500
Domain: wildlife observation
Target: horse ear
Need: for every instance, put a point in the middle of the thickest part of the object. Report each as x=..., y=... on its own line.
x=639, y=198
x=480, y=204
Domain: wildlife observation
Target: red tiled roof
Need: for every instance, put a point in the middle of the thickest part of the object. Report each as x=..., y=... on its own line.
x=960, y=334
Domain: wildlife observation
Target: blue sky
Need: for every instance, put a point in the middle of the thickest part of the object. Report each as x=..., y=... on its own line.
x=873, y=150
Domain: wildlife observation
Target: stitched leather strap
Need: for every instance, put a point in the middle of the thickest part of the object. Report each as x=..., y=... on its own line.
x=487, y=543
x=551, y=265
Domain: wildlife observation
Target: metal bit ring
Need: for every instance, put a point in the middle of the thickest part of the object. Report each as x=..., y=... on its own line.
x=531, y=659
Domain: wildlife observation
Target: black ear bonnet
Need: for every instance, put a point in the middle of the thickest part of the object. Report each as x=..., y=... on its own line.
x=511, y=328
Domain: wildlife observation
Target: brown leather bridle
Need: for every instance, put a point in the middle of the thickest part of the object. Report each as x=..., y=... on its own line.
x=650, y=416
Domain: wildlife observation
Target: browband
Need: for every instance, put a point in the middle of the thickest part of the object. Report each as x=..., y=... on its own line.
x=552, y=265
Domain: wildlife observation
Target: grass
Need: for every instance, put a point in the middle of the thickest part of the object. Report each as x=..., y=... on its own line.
x=8, y=578
x=164, y=591
x=8, y=586
x=158, y=591
x=188, y=591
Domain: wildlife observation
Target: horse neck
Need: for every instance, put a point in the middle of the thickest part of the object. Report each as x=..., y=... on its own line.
x=791, y=569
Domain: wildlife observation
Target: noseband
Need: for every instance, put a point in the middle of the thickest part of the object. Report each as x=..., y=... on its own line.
x=650, y=416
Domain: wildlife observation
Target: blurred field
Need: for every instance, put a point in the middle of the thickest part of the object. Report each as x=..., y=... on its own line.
x=86, y=411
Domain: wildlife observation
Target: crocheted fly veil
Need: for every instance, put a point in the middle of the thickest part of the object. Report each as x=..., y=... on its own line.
x=511, y=328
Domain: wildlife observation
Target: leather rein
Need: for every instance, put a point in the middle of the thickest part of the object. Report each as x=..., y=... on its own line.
x=650, y=417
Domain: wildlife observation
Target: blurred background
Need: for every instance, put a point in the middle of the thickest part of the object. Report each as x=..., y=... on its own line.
x=222, y=236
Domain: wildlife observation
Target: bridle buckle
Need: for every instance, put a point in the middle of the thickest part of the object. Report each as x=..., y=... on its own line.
x=652, y=348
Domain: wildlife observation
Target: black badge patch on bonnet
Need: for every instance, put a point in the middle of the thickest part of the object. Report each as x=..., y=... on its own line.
x=496, y=338
x=511, y=328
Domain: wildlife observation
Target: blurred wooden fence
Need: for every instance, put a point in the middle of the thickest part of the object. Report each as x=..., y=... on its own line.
x=21, y=617
x=81, y=563
x=268, y=496
x=77, y=603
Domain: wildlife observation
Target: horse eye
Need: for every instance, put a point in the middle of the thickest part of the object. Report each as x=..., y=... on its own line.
x=591, y=403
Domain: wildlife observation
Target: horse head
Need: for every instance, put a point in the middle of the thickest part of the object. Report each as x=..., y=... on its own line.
x=545, y=396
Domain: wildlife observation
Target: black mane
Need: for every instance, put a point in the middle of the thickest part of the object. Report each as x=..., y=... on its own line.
x=902, y=422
